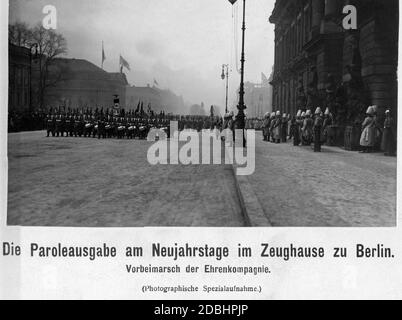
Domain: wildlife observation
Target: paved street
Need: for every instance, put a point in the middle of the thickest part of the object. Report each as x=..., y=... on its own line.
x=109, y=183
x=87, y=182
x=297, y=187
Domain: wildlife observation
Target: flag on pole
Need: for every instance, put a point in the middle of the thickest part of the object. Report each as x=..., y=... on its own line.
x=156, y=82
x=124, y=63
x=103, y=55
x=264, y=80
x=232, y=1
x=137, y=111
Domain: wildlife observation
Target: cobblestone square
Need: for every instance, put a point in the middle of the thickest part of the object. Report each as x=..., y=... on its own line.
x=86, y=182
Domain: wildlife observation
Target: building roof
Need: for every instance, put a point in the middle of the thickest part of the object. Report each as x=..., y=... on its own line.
x=18, y=52
x=82, y=66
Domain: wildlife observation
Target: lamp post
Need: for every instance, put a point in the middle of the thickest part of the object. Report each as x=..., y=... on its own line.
x=240, y=118
x=35, y=45
x=226, y=75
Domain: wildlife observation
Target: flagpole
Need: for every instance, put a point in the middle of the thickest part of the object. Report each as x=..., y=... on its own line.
x=240, y=118
x=241, y=107
x=103, y=54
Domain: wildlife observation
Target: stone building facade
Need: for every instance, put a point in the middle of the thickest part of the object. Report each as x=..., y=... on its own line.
x=319, y=63
x=258, y=99
x=19, y=64
x=158, y=99
x=79, y=83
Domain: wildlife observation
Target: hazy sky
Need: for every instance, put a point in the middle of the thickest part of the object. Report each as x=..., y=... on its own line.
x=180, y=43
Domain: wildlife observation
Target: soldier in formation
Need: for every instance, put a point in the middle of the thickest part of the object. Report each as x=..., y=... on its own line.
x=284, y=128
x=306, y=129
x=368, y=136
x=318, y=124
x=125, y=125
x=389, y=135
x=266, y=127
x=103, y=125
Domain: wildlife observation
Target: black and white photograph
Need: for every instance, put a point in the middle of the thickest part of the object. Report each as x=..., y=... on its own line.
x=202, y=113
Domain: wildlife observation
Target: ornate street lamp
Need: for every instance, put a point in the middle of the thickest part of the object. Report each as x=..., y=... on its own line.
x=33, y=55
x=240, y=118
x=226, y=76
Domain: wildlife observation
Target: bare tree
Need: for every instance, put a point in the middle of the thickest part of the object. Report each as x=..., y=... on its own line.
x=20, y=34
x=50, y=46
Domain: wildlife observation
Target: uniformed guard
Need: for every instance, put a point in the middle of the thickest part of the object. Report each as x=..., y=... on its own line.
x=80, y=125
x=277, y=127
x=307, y=130
x=367, y=139
x=327, y=124
x=266, y=126
x=388, y=144
x=284, y=128
x=318, y=124
x=271, y=127
x=50, y=124
x=59, y=125
x=295, y=128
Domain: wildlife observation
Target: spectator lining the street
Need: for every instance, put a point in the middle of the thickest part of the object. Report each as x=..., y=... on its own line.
x=368, y=137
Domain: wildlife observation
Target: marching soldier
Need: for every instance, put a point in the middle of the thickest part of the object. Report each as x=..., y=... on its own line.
x=68, y=126
x=59, y=126
x=79, y=126
x=50, y=124
x=87, y=126
x=101, y=128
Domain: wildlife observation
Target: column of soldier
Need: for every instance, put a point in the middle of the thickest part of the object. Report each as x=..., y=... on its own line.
x=306, y=128
x=122, y=125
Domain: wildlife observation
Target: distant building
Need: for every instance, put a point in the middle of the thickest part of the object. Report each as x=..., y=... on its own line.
x=19, y=78
x=159, y=99
x=319, y=63
x=258, y=98
x=79, y=83
x=198, y=110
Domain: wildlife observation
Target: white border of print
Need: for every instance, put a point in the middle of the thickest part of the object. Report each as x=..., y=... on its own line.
x=29, y=278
